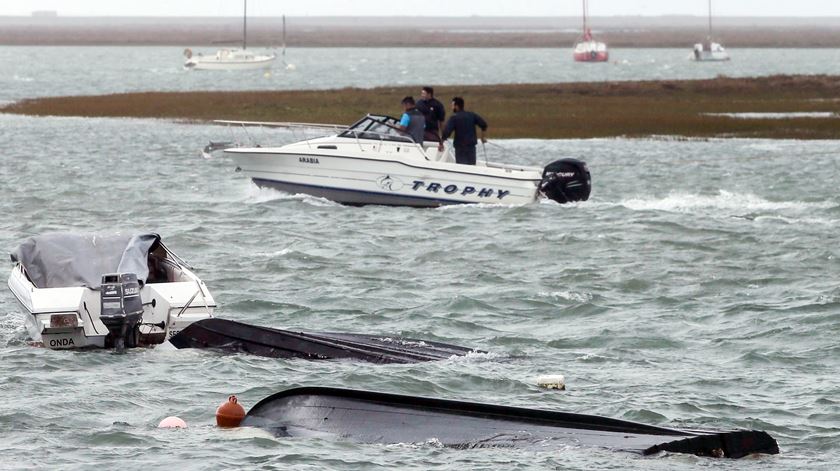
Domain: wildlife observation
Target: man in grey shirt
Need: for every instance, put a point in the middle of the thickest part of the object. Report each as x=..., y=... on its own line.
x=463, y=124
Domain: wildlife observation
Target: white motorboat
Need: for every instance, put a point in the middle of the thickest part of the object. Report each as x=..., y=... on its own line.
x=90, y=290
x=708, y=50
x=373, y=162
x=231, y=59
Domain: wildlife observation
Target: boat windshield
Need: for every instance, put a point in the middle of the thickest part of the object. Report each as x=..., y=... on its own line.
x=380, y=128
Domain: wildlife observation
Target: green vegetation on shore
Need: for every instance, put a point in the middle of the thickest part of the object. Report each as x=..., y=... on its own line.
x=688, y=108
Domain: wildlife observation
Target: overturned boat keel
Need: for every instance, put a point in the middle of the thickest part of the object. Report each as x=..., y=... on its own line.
x=369, y=417
x=231, y=336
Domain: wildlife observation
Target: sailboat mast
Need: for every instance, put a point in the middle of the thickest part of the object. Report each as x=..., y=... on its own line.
x=245, y=26
x=584, y=16
x=284, y=37
x=710, y=18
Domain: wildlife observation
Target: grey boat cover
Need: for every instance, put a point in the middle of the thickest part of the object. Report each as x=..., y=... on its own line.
x=65, y=259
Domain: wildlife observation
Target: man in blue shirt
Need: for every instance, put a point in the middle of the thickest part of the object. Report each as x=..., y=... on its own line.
x=412, y=121
x=463, y=124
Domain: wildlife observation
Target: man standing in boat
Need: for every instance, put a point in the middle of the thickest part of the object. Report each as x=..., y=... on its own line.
x=463, y=123
x=412, y=122
x=434, y=113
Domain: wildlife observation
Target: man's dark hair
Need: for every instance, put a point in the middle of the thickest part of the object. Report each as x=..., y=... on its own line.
x=459, y=102
x=429, y=90
x=408, y=100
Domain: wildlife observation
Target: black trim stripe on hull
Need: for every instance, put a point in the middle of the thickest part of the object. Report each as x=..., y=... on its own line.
x=340, y=195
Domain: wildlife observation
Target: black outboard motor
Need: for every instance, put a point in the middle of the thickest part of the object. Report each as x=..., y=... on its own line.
x=122, y=309
x=566, y=180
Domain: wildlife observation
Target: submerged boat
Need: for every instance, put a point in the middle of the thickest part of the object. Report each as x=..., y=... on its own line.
x=374, y=162
x=231, y=59
x=91, y=290
x=371, y=417
x=708, y=50
x=586, y=48
x=236, y=337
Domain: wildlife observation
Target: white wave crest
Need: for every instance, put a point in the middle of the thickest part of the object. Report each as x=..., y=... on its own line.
x=475, y=356
x=258, y=195
x=725, y=200
x=567, y=295
x=278, y=253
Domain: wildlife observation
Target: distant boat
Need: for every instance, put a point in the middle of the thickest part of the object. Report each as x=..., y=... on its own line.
x=231, y=59
x=587, y=49
x=708, y=50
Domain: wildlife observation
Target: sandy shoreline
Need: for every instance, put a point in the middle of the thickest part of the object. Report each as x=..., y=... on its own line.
x=801, y=107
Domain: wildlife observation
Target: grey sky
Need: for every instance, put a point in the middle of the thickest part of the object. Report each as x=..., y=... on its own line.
x=818, y=8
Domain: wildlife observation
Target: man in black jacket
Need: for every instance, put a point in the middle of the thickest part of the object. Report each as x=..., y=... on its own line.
x=434, y=113
x=463, y=123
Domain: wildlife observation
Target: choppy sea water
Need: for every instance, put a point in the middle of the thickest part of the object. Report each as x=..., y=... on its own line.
x=47, y=71
x=698, y=288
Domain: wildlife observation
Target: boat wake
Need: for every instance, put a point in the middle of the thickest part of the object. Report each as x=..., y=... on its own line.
x=728, y=202
x=259, y=195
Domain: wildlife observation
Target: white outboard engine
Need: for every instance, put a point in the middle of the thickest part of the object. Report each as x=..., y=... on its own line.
x=566, y=180
x=122, y=309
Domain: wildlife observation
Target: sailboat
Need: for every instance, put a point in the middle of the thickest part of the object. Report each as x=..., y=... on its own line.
x=710, y=51
x=231, y=59
x=587, y=49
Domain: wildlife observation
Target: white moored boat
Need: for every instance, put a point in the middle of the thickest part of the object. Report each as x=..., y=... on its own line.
x=89, y=290
x=373, y=162
x=231, y=59
x=708, y=50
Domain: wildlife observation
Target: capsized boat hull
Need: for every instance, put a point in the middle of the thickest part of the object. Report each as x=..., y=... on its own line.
x=370, y=417
x=232, y=336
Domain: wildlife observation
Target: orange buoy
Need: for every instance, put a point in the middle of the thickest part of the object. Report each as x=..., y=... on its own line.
x=230, y=413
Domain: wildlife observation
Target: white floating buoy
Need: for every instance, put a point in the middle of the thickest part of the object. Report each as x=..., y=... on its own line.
x=172, y=422
x=552, y=382
x=291, y=67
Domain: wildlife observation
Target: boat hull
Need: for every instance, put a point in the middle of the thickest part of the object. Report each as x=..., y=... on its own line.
x=706, y=56
x=231, y=336
x=592, y=56
x=591, y=51
x=384, y=180
x=211, y=63
x=371, y=417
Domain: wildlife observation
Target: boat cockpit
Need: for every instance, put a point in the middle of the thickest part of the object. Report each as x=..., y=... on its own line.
x=386, y=128
x=380, y=128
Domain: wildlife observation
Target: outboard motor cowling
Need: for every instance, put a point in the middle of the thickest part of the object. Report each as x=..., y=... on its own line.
x=121, y=309
x=566, y=180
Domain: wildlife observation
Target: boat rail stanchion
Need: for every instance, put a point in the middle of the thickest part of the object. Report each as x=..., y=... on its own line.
x=203, y=297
